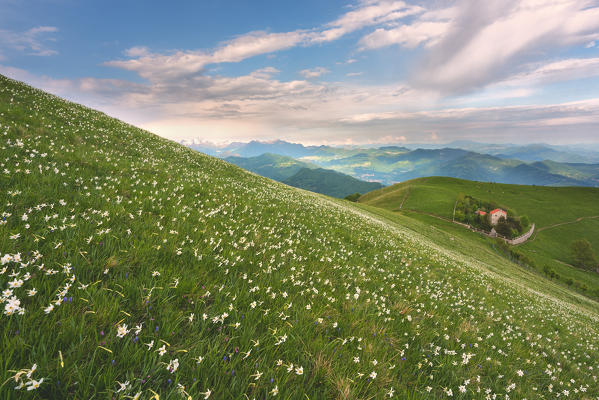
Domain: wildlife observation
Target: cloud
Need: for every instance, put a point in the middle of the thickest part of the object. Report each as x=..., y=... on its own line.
x=350, y=74
x=314, y=72
x=162, y=67
x=31, y=42
x=562, y=70
x=137, y=51
x=175, y=64
x=370, y=13
x=424, y=32
x=490, y=40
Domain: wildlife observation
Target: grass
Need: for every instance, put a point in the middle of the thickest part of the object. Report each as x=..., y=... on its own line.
x=163, y=273
x=554, y=210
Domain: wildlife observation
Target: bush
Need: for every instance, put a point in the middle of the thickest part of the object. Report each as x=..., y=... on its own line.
x=503, y=228
x=353, y=197
x=583, y=254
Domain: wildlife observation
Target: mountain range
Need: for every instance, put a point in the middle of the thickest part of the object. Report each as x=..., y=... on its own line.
x=535, y=164
x=304, y=175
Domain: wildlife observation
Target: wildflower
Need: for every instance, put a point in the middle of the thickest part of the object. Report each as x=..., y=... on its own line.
x=122, y=386
x=12, y=305
x=173, y=365
x=162, y=350
x=150, y=345
x=372, y=375
x=257, y=375
x=275, y=391
x=155, y=273
x=16, y=283
x=33, y=384
x=299, y=370
x=122, y=330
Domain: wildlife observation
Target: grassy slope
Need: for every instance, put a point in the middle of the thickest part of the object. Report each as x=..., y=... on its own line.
x=329, y=182
x=546, y=206
x=272, y=166
x=94, y=206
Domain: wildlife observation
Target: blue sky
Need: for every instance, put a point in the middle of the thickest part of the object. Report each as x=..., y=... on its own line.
x=365, y=71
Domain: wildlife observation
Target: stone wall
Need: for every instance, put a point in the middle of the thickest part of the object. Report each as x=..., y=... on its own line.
x=523, y=238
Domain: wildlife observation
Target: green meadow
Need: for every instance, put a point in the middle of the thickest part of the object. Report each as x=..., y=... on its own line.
x=132, y=267
x=561, y=215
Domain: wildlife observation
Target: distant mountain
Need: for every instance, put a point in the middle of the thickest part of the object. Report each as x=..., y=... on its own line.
x=535, y=164
x=270, y=165
x=304, y=175
x=330, y=182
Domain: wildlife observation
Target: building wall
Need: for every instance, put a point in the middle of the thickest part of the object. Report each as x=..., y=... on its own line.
x=495, y=217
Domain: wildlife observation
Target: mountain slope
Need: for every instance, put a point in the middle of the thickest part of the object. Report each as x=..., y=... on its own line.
x=270, y=165
x=304, y=175
x=561, y=215
x=331, y=183
x=135, y=267
x=391, y=164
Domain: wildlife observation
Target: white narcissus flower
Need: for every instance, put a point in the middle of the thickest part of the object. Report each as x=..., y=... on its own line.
x=33, y=384
x=122, y=330
x=173, y=365
x=16, y=283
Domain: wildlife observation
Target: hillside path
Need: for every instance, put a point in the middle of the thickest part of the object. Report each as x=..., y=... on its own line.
x=567, y=222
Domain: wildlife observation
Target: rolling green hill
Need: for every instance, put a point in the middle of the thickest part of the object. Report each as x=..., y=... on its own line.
x=331, y=183
x=270, y=165
x=561, y=215
x=304, y=175
x=133, y=267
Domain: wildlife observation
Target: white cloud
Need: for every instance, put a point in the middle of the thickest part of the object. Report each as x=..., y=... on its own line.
x=350, y=74
x=160, y=67
x=370, y=13
x=422, y=32
x=562, y=70
x=489, y=40
x=32, y=41
x=314, y=72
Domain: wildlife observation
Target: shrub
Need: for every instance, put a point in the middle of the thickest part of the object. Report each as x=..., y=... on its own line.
x=353, y=197
x=583, y=254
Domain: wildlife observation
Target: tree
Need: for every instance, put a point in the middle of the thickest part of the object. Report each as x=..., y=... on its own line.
x=524, y=221
x=353, y=197
x=503, y=228
x=583, y=254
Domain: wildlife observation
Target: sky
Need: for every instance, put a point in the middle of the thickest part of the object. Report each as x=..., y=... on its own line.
x=319, y=72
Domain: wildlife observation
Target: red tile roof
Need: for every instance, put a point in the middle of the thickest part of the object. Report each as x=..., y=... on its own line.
x=497, y=210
